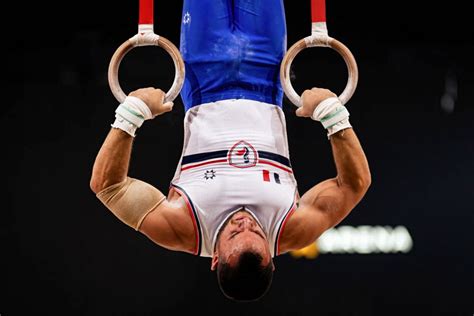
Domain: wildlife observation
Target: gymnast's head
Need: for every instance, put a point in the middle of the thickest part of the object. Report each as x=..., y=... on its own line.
x=242, y=259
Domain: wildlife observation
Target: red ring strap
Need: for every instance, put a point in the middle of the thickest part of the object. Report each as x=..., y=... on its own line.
x=318, y=11
x=146, y=12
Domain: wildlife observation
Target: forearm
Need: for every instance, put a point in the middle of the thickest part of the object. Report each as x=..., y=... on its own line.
x=131, y=200
x=112, y=161
x=111, y=164
x=351, y=162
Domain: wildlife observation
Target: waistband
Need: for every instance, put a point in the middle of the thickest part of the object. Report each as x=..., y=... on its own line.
x=224, y=156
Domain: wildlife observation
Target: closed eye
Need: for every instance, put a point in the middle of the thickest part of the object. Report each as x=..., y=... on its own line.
x=259, y=234
x=235, y=233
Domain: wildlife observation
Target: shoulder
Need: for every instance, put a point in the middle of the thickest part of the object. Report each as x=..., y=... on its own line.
x=319, y=209
x=303, y=227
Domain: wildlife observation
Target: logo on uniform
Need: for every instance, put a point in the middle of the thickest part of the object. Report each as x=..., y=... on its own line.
x=269, y=176
x=242, y=155
x=187, y=18
x=209, y=174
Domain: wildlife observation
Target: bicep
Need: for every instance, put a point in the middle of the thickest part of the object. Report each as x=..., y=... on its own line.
x=321, y=208
x=158, y=226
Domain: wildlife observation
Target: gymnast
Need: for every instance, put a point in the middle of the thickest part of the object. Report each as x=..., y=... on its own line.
x=234, y=197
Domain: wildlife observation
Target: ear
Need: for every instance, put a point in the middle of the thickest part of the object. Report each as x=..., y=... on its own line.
x=215, y=261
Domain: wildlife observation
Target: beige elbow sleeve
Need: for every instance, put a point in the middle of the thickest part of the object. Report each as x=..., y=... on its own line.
x=131, y=200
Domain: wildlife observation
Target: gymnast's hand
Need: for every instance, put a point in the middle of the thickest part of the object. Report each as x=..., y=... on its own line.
x=310, y=99
x=154, y=99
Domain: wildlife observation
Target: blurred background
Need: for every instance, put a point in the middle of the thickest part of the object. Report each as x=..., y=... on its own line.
x=406, y=249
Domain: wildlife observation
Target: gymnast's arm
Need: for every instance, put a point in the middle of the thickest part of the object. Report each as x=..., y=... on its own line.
x=132, y=200
x=329, y=202
x=112, y=161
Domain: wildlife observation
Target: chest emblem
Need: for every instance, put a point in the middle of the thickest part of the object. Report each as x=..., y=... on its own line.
x=242, y=155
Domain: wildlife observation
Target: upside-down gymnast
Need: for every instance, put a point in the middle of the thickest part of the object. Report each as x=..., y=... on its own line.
x=233, y=197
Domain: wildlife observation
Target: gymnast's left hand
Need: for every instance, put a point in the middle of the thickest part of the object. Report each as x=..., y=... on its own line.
x=154, y=99
x=310, y=99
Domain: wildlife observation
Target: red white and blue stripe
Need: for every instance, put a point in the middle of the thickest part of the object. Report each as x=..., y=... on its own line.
x=222, y=157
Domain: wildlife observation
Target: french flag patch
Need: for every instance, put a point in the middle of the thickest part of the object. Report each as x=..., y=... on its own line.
x=268, y=176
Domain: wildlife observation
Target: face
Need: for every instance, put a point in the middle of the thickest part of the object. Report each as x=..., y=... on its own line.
x=242, y=232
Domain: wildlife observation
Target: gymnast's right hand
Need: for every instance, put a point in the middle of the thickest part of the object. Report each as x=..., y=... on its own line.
x=154, y=99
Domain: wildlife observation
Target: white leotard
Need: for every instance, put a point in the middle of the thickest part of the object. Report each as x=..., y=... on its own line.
x=235, y=156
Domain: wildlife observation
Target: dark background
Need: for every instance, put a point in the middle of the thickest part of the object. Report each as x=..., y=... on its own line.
x=63, y=253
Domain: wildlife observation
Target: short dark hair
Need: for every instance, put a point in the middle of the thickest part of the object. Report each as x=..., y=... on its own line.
x=248, y=280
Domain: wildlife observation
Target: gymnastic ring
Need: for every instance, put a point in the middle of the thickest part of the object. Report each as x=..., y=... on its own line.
x=146, y=39
x=318, y=41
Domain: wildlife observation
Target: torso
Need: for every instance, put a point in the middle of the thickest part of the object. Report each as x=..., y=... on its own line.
x=184, y=226
x=235, y=156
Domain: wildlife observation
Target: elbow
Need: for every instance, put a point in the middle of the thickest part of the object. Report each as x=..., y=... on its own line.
x=98, y=182
x=95, y=185
x=362, y=184
x=365, y=183
x=358, y=185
